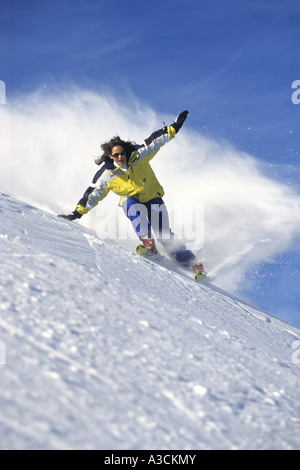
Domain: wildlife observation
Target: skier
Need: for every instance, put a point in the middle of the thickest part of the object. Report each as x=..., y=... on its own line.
x=125, y=170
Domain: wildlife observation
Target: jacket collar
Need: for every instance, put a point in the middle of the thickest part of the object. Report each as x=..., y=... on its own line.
x=109, y=165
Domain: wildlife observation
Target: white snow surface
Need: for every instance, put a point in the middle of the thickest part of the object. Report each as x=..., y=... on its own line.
x=102, y=349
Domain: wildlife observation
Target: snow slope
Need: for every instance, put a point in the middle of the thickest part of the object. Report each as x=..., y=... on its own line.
x=102, y=349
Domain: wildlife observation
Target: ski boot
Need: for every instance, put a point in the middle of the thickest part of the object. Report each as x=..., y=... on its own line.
x=148, y=248
x=198, y=270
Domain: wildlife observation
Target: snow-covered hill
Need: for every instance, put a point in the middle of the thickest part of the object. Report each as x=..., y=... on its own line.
x=101, y=349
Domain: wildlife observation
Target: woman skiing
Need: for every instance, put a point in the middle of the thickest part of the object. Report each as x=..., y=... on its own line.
x=125, y=170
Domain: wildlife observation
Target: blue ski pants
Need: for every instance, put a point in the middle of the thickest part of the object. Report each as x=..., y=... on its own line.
x=152, y=217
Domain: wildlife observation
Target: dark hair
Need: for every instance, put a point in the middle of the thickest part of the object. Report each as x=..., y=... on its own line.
x=108, y=146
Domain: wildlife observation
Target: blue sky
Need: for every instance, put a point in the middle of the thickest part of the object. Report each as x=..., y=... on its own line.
x=230, y=63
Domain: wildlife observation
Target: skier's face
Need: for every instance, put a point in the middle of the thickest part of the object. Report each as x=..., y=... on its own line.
x=118, y=155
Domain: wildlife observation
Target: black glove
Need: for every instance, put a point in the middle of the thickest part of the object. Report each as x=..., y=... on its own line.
x=180, y=120
x=72, y=216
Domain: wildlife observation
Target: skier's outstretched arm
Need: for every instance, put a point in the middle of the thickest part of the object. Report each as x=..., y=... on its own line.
x=159, y=138
x=83, y=201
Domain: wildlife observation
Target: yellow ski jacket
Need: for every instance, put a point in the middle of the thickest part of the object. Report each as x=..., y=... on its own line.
x=138, y=180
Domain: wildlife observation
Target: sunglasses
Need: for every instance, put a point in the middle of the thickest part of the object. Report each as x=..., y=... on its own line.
x=116, y=155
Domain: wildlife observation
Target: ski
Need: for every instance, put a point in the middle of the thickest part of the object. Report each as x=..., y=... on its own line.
x=159, y=259
x=200, y=276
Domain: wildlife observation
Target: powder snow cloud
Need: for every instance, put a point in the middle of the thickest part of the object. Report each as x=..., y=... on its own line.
x=49, y=141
